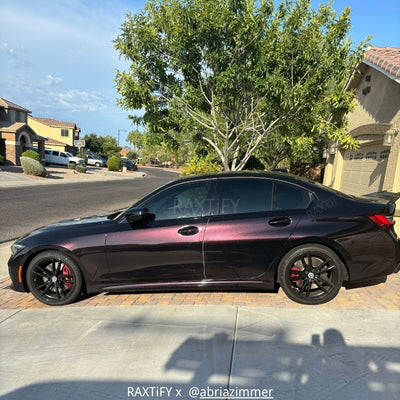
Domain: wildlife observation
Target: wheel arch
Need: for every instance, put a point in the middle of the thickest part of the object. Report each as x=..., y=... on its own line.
x=43, y=249
x=331, y=245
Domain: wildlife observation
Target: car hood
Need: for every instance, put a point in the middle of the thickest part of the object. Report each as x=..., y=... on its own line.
x=73, y=224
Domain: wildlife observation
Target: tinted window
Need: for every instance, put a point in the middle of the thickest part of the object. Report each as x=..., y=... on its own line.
x=55, y=153
x=182, y=201
x=244, y=195
x=290, y=197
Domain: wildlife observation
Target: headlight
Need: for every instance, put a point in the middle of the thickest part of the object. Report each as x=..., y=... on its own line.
x=16, y=248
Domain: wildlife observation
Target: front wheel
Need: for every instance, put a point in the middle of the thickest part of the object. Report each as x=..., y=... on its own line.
x=54, y=279
x=311, y=274
x=97, y=164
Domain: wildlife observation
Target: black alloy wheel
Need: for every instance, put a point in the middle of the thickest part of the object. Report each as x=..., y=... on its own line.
x=311, y=274
x=54, y=279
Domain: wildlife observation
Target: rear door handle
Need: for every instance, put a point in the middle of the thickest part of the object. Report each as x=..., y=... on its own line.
x=188, y=230
x=280, y=222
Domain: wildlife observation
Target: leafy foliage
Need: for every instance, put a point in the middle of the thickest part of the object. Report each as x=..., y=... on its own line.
x=104, y=145
x=233, y=72
x=80, y=168
x=114, y=163
x=32, y=167
x=84, y=156
x=198, y=165
x=31, y=154
x=2, y=159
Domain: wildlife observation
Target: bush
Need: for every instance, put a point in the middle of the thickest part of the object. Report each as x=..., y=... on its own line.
x=32, y=167
x=80, y=168
x=1, y=160
x=84, y=156
x=114, y=163
x=197, y=166
x=71, y=165
x=31, y=154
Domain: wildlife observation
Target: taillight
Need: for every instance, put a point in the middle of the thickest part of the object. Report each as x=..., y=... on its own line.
x=381, y=220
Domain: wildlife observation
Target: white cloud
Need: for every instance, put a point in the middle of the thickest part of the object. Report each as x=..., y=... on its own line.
x=14, y=56
x=52, y=80
x=48, y=96
x=77, y=100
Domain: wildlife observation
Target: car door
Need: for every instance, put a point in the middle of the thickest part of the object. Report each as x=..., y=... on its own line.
x=256, y=217
x=168, y=248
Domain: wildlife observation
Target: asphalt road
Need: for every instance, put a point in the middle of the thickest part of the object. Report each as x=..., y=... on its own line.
x=23, y=209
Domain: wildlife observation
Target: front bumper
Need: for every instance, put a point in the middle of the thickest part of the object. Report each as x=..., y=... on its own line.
x=17, y=273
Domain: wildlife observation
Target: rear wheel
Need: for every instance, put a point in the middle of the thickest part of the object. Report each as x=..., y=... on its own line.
x=311, y=274
x=54, y=279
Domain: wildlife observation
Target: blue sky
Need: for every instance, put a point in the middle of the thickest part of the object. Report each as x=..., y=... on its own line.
x=57, y=58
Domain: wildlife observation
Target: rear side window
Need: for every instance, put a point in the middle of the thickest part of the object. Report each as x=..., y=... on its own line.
x=237, y=196
x=290, y=197
x=244, y=195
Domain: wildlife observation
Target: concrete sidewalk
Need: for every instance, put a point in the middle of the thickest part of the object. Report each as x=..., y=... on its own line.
x=13, y=176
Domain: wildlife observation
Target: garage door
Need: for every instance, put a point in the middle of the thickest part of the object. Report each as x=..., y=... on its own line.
x=364, y=169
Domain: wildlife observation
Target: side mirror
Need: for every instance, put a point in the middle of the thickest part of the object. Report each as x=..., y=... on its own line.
x=136, y=215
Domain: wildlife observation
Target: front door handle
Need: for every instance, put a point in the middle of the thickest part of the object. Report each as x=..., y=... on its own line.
x=280, y=221
x=188, y=230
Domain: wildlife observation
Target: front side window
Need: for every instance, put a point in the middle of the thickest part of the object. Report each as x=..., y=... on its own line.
x=181, y=201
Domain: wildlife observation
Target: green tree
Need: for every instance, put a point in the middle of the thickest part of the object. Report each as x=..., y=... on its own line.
x=135, y=138
x=235, y=71
x=110, y=146
x=93, y=142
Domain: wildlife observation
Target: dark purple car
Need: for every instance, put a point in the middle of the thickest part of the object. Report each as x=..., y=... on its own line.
x=227, y=231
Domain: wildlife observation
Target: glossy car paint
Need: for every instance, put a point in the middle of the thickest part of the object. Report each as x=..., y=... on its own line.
x=228, y=251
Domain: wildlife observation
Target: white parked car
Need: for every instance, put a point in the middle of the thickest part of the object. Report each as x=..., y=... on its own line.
x=95, y=160
x=62, y=158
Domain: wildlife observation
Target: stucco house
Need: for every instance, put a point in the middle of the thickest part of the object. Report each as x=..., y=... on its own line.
x=375, y=123
x=60, y=134
x=16, y=135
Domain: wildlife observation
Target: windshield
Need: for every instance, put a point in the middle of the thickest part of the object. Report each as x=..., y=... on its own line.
x=69, y=154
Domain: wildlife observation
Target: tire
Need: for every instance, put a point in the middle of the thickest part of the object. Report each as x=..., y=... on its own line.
x=54, y=279
x=97, y=164
x=311, y=274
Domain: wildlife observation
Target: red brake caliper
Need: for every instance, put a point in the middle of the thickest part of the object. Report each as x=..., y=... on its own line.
x=293, y=275
x=67, y=271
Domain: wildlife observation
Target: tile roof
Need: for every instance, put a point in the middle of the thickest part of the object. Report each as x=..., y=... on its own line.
x=14, y=127
x=9, y=104
x=387, y=58
x=7, y=126
x=54, y=123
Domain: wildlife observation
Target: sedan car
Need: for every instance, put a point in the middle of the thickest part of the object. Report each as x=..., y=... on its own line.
x=228, y=231
x=129, y=164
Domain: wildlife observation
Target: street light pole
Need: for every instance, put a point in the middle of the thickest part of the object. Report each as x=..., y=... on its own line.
x=120, y=130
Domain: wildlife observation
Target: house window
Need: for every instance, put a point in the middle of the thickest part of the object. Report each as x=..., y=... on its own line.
x=359, y=156
x=371, y=155
x=64, y=132
x=384, y=154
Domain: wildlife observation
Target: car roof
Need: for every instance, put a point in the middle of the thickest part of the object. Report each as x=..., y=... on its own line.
x=241, y=174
